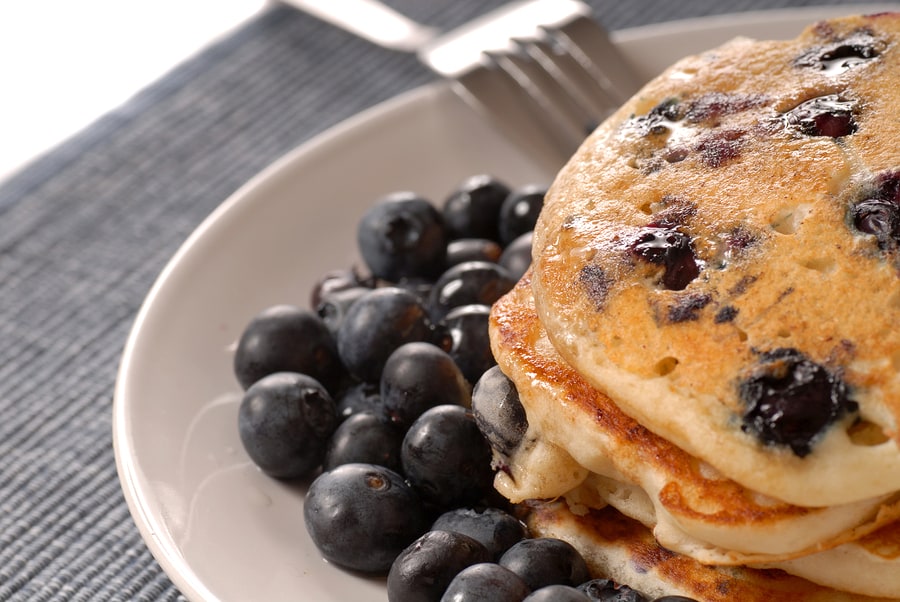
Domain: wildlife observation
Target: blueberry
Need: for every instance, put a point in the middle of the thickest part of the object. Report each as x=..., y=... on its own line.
x=486, y=582
x=334, y=281
x=403, y=235
x=791, y=400
x=606, y=590
x=841, y=55
x=520, y=211
x=358, y=398
x=672, y=250
x=446, y=459
x=364, y=438
x=284, y=422
x=544, y=561
x=424, y=570
x=419, y=376
x=286, y=338
x=334, y=306
x=557, y=593
x=472, y=249
x=375, y=325
x=878, y=217
x=495, y=529
x=498, y=411
x=470, y=345
x=468, y=283
x=517, y=255
x=473, y=209
x=362, y=516
x=674, y=599
x=823, y=116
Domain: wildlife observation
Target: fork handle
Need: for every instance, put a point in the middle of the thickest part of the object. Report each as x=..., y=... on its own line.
x=370, y=20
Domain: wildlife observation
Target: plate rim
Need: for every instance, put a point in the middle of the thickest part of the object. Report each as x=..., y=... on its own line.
x=163, y=549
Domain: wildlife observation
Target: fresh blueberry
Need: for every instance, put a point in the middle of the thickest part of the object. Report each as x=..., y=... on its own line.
x=672, y=250
x=334, y=306
x=470, y=345
x=337, y=280
x=516, y=256
x=790, y=400
x=606, y=590
x=402, y=236
x=468, y=283
x=286, y=338
x=375, y=325
x=362, y=516
x=365, y=438
x=358, y=398
x=486, y=582
x=498, y=411
x=520, y=211
x=674, y=599
x=544, y=561
x=424, y=570
x=419, y=376
x=557, y=593
x=472, y=249
x=496, y=529
x=446, y=459
x=284, y=422
x=473, y=210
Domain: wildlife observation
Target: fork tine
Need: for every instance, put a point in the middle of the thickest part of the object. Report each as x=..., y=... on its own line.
x=593, y=101
x=589, y=44
x=495, y=92
x=556, y=106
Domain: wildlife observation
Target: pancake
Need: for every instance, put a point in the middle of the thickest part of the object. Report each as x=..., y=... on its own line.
x=580, y=445
x=722, y=258
x=619, y=548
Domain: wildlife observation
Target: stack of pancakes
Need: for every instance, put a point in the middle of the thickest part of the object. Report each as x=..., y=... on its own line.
x=707, y=345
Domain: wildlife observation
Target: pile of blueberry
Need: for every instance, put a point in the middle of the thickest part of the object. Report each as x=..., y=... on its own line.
x=370, y=396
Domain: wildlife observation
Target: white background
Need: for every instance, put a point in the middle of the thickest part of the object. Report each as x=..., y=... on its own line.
x=63, y=63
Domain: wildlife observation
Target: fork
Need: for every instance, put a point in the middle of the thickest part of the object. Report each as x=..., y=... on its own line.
x=543, y=71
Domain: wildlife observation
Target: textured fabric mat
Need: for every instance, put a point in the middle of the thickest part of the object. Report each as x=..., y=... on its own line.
x=85, y=230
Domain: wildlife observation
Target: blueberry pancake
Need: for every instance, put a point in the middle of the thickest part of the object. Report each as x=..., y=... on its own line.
x=581, y=446
x=722, y=258
x=619, y=548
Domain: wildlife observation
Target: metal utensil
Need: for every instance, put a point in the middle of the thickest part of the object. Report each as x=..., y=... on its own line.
x=543, y=71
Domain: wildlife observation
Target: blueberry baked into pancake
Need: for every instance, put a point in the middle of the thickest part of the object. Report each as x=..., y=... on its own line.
x=721, y=258
x=703, y=363
x=577, y=445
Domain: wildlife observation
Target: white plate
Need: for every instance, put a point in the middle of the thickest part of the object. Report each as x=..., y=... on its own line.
x=219, y=528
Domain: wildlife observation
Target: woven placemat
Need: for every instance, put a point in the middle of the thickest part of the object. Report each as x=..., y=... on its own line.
x=87, y=228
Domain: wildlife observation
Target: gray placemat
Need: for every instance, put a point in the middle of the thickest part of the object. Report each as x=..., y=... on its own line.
x=85, y=230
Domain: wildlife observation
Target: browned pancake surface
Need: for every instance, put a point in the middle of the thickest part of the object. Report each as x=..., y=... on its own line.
x=622, y=549
x=709, y=236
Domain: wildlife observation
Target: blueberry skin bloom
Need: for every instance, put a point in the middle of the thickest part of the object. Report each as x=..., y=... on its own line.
x=557, y=593
x=403, y=236
x=375, y=325
x=424, y=570
x=498, y=411
x=362, y=516
x=419, y=376
x=446, y=459
x=544, y=561
x=494, y=528
x=286, y=338
x=284, y=422
x=486, y=582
